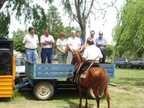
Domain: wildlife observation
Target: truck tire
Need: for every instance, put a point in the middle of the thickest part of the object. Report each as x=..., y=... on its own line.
x=43, y=91
x=90, y=94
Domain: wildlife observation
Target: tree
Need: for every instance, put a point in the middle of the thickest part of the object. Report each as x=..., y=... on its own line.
x=21, y=8
x=81, y=10
x=68, y=30
x=4, y=22
x=110, y=52
x=52, y=21
x=17, y=39
x=128, y=33
x=81, y=13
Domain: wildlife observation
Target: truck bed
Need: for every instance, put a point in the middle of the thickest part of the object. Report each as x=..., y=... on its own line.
x=58, y=71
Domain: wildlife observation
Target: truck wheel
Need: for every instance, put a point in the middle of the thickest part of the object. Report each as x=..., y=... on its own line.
x=90, y=93
x=43, y=91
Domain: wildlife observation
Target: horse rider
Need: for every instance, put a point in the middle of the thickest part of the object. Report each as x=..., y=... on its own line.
x=91, y=57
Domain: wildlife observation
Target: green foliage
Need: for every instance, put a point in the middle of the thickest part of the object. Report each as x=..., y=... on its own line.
x=79, y=11
x=22, y=8
x=68, y=30
x=54, y=22
x=17, y=39
x=51, y=21
x=129, y=34
x=4, y=24
x=110, y=49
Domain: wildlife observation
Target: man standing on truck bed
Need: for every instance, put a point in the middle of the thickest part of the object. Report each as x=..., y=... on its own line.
x=73, y=43
x=30, y=41
x=101, y=43
x=46, y=43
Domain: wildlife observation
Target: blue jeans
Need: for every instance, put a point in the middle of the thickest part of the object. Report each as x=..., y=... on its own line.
x=31, y=55
x=46, y=54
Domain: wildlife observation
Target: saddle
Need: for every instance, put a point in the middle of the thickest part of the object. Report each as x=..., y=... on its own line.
x=82, y=70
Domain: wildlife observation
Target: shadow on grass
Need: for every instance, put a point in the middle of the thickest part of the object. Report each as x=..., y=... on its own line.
x=69, y=96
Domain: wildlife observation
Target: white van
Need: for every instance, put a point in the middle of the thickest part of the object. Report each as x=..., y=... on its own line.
x=20, y=67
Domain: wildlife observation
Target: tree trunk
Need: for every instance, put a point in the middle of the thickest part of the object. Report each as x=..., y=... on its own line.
x=83, y=30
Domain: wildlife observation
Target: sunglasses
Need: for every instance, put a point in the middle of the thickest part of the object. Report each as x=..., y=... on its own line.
x=62, y=36
x=100, y=34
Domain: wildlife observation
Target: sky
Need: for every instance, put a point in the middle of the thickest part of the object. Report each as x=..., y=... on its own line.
x=96, y=25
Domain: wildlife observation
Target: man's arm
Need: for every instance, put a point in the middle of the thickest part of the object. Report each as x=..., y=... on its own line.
x=60, y=49
x=79, y=47
x=69, y=47
x=102, y=44
x=47, y=42
x=24, y=40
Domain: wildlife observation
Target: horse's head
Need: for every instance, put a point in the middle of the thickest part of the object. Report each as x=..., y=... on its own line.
x=77, y=57
x=73, y=62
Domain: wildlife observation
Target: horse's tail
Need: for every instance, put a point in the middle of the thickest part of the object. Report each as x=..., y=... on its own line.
x=103, y=84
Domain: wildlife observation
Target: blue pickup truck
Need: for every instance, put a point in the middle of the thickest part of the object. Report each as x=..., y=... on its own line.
x=45, y=78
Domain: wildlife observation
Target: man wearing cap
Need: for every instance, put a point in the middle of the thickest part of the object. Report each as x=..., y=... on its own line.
x=30, y=41
x=47, y=41
x=101, y=43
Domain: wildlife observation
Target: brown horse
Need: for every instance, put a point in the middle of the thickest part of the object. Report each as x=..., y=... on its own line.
x=96, y=78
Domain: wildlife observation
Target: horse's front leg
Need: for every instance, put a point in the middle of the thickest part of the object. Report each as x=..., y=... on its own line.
x=86, y=104
x=80, y=96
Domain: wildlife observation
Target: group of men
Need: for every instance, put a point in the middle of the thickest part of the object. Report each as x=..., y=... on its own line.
x=96, y=52
x=31, y=41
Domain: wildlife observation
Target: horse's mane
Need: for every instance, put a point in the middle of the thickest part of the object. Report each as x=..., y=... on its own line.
x=79, y=56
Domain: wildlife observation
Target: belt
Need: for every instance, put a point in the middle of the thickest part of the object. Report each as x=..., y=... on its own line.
x=102, y=49
x=29, y=49
x=93, y=61
x=46, y=48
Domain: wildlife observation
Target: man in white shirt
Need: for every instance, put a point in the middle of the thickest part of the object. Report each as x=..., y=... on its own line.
x=92, y=52
x=73, y=44
x=46, y=43
x=91, y=56
x=30, y=41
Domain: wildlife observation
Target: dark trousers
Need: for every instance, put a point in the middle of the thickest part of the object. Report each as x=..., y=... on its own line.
x=104, y=56
x=46, y=54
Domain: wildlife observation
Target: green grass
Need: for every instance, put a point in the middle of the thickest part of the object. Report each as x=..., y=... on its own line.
x=128, y=93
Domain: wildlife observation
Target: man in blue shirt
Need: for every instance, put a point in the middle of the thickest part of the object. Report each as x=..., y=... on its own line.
x=101, y=43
